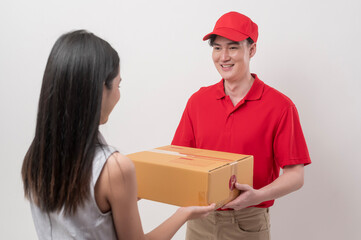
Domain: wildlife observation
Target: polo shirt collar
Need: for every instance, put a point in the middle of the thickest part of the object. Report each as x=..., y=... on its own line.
x=220, y=90
x=254, y=93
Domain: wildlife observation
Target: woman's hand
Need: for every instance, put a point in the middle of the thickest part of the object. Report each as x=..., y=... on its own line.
x=194, y=212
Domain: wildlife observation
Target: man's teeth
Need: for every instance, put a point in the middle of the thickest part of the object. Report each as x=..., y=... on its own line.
x=228, y=65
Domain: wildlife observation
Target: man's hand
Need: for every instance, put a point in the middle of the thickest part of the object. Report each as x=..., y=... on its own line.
x=291, y=180
x=248, y=197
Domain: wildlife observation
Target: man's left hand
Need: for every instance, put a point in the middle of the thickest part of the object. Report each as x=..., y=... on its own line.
x=248, y=197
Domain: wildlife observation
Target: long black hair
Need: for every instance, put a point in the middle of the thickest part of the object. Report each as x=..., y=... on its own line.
x=57, y=167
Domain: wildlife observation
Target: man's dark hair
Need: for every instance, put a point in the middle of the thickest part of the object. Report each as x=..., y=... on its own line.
x=214, y=36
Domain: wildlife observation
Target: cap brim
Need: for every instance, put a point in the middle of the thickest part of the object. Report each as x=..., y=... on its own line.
x=227, y=33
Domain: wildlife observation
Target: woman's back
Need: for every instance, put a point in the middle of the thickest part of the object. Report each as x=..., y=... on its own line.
x=88, y=222
x=77, y=189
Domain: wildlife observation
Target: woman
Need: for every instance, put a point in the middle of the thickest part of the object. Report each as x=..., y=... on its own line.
x=78, y=187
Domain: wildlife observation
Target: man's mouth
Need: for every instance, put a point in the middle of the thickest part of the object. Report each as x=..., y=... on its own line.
x=227, y=67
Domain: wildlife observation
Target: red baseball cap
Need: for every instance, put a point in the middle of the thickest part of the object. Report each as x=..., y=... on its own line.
x=235, y=26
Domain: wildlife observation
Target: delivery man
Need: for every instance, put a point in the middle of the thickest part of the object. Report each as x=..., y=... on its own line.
x=241, y=114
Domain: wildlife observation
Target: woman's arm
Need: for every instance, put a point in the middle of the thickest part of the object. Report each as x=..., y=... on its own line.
x=117, y=188
x=169, y=227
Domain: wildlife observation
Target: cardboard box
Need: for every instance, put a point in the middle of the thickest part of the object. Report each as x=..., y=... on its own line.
x=185, y=176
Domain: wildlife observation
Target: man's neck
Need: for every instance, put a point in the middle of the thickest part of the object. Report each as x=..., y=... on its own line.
x=237, y=90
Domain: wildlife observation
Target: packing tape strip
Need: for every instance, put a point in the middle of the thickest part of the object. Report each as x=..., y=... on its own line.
x=233, y=178
x=166, y=152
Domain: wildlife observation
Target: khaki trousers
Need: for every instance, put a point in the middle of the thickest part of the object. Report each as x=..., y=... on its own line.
x=250, y=224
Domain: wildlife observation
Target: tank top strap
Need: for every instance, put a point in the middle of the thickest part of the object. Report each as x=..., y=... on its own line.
x=102, y=153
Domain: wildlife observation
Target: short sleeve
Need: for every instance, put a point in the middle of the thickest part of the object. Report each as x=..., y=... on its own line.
x=289, y=143
x=184, y=135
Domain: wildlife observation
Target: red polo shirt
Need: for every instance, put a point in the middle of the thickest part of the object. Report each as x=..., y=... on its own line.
x=264, y=124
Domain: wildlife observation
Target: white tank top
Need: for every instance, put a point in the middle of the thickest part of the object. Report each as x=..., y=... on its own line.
x=88, y=222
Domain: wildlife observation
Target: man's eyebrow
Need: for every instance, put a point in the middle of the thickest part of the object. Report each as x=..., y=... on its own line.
x=230, y=43
x=233, y=42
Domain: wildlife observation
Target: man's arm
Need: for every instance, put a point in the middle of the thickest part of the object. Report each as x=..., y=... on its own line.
x=291, y=180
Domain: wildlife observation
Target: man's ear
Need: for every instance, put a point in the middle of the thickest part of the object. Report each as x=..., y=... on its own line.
x=252, y=50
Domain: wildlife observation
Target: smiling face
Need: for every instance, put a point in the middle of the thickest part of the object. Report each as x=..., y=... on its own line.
x=232, y=58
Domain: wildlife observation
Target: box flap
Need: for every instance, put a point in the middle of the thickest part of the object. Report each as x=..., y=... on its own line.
x=189, y=158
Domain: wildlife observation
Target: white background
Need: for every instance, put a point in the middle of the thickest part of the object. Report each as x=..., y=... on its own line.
x=309, y=50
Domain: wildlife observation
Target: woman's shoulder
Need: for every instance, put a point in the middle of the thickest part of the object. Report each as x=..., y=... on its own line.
x=119, y=165
x=116, y=182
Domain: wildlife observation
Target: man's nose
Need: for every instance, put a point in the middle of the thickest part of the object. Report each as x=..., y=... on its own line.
x=225, y=55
